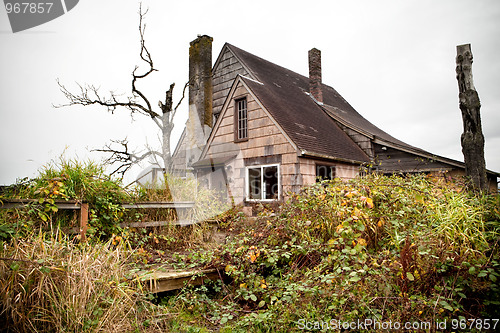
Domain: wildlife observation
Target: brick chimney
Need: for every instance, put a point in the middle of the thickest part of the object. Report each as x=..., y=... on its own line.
x=200, y=121
x=315, y=74
x=200, y=78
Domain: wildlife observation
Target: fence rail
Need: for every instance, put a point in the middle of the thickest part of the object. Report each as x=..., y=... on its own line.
x=22, y=203
x=84, y=211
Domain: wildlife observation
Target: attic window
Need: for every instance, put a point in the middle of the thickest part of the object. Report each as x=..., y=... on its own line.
x=325, y=172
x=241, y=120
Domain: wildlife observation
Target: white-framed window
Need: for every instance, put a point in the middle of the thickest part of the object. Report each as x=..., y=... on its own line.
x=241, y=124
x=262, y=182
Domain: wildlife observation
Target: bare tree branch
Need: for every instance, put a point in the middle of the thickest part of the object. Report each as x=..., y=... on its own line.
x=180, y=101
x=123, y=156
x=89, y=95
x=146, y=57
x=136, y=103
x=157, y=122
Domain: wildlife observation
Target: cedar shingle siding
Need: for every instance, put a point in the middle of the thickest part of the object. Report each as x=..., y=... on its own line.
x=289, y=128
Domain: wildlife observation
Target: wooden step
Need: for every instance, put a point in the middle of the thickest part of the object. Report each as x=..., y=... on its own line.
x=159, y=281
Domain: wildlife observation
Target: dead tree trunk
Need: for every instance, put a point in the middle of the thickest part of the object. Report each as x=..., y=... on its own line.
x=167, y=110
x=472, y=137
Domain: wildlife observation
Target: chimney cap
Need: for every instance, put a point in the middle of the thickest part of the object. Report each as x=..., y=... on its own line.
x=201, y=37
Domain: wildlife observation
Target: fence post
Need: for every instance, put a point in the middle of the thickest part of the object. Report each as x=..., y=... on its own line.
x=84, y=216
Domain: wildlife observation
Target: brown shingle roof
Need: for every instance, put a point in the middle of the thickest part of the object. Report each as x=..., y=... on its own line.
x=285, y=95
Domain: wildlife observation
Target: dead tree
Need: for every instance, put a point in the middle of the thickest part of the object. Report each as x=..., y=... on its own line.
x=136, y=103
x=472, y=138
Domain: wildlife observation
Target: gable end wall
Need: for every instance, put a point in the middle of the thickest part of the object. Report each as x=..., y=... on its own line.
x=222, y=78
x=265, y=141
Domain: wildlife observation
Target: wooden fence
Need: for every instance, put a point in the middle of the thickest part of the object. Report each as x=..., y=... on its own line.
x=84, y=211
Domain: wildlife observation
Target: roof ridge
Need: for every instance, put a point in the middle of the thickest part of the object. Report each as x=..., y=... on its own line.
x=249, y=78
x=238, y=49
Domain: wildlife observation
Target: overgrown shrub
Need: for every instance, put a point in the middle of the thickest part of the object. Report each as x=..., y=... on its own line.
x=50, y=282
x=70, y=180
x=88, y=182
x=386, y=248
x=400, y=249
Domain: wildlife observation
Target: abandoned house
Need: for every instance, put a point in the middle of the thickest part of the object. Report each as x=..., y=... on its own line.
x=257, y=131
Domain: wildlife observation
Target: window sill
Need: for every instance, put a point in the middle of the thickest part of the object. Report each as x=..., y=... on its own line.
x=240, y=140
x=261, y=200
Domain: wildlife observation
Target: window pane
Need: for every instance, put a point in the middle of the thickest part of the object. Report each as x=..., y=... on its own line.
x=242, y=119
x=254, y=183
x=323, y=172
x=270, y=187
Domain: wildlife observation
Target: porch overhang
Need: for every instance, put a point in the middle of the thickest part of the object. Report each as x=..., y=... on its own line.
x=212, y=162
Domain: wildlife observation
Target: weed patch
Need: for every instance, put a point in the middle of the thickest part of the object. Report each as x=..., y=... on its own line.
x=384, y=248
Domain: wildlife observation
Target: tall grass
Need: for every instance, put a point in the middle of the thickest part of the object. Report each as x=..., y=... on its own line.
x=460, y=221
x=72, y=179
x=49, y=284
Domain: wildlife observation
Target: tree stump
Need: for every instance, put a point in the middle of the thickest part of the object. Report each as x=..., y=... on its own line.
x=472, y=138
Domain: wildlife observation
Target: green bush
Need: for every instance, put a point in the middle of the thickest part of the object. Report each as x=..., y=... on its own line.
x=385, y=248
x=70, y=180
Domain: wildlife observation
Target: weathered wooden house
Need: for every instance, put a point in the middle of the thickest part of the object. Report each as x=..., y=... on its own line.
x=257, y=130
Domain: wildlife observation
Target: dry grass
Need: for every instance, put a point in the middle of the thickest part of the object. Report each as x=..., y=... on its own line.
x=49, y=284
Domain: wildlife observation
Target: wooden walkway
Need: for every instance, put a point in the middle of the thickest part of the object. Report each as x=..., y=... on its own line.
x=160, y=281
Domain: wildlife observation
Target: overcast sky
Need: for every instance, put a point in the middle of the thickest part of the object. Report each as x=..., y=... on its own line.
x=393, y=61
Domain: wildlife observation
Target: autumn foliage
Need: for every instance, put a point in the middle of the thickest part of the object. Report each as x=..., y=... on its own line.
x=386, y=248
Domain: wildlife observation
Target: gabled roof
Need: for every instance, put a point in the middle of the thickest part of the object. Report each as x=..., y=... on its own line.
x=333, y=103
x=285, y=96
x=240, y=80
